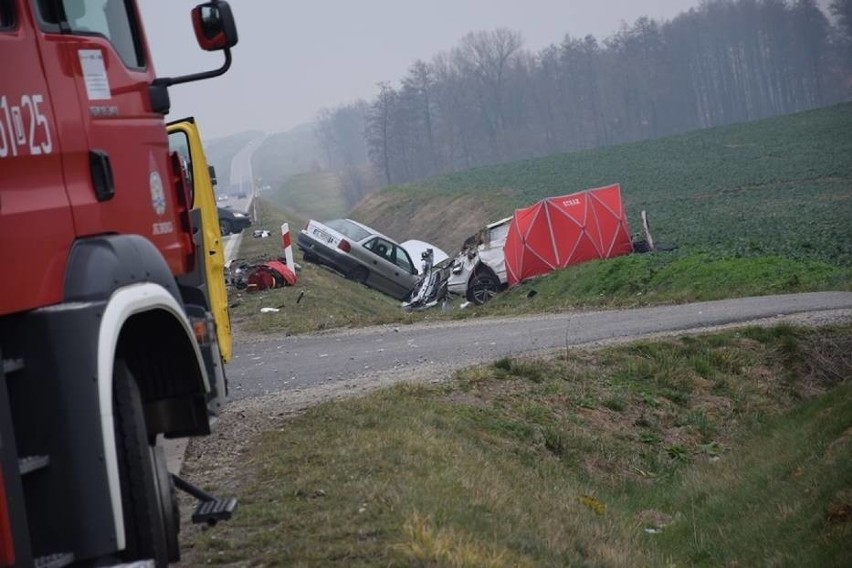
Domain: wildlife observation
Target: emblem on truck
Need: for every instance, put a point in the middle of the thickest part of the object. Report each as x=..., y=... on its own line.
x=158, y=196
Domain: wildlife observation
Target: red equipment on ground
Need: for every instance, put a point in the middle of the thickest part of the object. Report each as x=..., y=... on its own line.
x=272, y=274
x=569, y=229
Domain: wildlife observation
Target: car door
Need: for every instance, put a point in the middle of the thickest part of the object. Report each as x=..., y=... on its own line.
x=209, y=275
x=389, y=272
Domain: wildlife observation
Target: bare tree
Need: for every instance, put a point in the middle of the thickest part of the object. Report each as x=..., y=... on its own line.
x=378, y=130
x=487, y=100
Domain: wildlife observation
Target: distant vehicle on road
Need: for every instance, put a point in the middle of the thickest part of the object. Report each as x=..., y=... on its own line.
x=231, y=221
x=361, y=254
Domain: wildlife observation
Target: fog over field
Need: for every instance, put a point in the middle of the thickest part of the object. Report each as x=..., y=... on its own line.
x=295, y=58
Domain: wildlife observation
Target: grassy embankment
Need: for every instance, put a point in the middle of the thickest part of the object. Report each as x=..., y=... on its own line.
x=759, y=208
x=321, y=300
x=717, y=450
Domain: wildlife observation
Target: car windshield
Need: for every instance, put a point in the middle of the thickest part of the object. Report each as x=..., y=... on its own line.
x=349, y=229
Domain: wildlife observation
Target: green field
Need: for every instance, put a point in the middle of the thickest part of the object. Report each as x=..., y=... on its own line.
x=776, y=187
x=759, y=208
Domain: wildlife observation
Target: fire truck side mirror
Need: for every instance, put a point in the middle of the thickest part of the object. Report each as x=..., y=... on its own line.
x=215, y=28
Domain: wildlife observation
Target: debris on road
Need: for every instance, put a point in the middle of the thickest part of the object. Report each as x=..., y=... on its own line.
x=272, y=274
x=431, y=288
x=257, y=277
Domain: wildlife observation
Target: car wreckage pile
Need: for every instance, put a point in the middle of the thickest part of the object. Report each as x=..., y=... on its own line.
x=549, y=235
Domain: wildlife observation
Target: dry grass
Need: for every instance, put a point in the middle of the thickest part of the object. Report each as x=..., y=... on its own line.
x=726, y=449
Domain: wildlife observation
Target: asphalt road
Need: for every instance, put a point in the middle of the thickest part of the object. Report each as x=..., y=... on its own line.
x=269, y=365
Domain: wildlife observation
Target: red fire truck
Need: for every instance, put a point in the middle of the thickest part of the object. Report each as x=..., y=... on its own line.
x=108, y=338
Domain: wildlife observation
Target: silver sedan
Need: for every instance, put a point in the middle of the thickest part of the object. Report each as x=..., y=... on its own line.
x=361, y=254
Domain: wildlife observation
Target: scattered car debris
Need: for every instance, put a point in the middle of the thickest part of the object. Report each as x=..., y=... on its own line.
x=416, y=249
x=256, y=277
x=272, y=274
x=261, y=233
x=269, y=310
x=432, y=286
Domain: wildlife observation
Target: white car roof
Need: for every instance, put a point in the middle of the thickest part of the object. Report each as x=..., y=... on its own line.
x=415, y=248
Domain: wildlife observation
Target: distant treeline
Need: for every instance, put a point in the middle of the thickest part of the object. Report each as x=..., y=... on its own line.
x=488, y=100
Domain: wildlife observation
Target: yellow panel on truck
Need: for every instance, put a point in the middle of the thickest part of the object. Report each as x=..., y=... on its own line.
x=184, y=138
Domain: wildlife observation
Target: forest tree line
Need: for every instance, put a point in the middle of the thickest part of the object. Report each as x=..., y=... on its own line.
x=489, y=100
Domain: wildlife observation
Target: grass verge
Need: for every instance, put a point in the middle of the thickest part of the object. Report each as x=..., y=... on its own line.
x=330, y=301
x=723, y=449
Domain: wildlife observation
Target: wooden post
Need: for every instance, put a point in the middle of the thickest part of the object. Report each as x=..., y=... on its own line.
x=647, y=231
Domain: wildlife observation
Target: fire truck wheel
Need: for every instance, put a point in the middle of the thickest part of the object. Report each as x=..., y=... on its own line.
x=144, y=531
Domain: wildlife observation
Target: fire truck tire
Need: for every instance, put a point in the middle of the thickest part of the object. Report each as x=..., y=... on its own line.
x=145, y=537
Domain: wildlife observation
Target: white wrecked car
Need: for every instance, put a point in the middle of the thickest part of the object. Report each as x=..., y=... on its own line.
x=416, y=249
x=478, y=272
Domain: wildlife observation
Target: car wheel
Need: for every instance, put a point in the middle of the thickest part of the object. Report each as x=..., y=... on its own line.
x=482, y=287
x=225, y=227
x=359, y=274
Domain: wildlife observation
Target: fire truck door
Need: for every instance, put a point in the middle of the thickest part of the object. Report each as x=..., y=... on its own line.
x=99, y=52
x=36, y=227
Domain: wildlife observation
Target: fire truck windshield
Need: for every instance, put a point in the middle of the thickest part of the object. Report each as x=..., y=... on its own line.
x=112, y=19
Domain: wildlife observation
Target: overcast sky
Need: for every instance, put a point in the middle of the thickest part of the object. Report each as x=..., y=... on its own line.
x=294, y=58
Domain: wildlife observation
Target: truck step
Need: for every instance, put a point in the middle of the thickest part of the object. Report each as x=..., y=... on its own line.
x=30, y=464
x=213, y=511
x=54, y=560
x=210, y=510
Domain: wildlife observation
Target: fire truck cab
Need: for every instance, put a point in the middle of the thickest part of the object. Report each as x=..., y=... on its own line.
x=108, y=337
